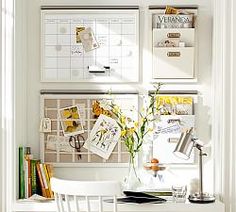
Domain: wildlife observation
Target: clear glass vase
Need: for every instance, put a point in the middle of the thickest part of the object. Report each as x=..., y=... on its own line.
x=132, y=180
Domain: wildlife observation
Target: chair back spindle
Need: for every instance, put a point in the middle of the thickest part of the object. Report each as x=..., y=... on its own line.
x=68, y=193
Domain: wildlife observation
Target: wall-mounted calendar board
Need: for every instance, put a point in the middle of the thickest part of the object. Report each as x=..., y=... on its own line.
x=63, y=56
x=55, y=147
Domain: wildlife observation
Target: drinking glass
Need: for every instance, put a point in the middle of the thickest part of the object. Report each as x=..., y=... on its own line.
x=179, y=193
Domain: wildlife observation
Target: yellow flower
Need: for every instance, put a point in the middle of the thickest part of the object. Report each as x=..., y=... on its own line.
x=70, y=129
x=69, y=123
x=75, y=115
x=122, y=119
x=66, y=113
x=150, y=129
x=123, y=133
x=131, y=130
x=115, y=109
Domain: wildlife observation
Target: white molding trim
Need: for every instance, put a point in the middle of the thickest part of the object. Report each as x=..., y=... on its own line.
x=224, y=103
x=7, y=105
x=217, y=87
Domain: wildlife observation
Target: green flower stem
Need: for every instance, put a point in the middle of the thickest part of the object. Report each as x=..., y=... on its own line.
x=132, y=156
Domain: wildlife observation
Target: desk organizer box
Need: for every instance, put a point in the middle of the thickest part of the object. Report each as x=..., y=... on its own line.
x=174, y=45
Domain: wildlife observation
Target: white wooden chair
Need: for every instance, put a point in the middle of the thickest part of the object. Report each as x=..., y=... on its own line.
x=87, y=190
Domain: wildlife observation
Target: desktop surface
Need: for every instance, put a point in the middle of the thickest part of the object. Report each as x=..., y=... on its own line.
x=168, y=206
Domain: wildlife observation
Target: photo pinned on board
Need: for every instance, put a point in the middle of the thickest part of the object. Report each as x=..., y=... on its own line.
x=78, y=30
x=88, y=39
x=71, y=121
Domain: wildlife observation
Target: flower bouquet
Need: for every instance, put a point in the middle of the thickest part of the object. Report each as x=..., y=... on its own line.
x=133, y=132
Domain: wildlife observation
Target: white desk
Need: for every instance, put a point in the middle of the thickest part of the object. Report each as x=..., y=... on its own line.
x=147, y=207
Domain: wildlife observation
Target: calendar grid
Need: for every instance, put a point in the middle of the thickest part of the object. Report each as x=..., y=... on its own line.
x=63, y=59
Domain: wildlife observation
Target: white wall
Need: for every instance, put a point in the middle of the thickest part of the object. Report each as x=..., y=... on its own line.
x=28, y=79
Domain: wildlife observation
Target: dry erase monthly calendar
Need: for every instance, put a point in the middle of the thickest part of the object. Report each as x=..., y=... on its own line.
x=94, y=45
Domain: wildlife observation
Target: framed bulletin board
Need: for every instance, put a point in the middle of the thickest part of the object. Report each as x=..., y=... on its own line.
x=56, y=146
x=90, y=45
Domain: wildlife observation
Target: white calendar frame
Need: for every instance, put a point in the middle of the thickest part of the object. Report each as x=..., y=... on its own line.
x=123, y=69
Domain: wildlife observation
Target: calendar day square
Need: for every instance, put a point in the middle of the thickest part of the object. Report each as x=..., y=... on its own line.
x=63, y=39
x=102, y=61
x=77, y=63
x=116, y=40
x=51, y=40
x=64, y=63
x=50, y=29
x=102, y=52
x=50, y=51
x=63, y=29
x=77, y=73
x=128, y=40
x=50, y=62
x=115, y=29
x=63, y=74
x=102, y=29
x=128, y=29
x=63, y=51
x=50, y=74
x=115, y=51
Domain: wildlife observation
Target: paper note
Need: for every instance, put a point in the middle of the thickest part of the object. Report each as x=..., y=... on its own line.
x=60, y=143
x=45, y=125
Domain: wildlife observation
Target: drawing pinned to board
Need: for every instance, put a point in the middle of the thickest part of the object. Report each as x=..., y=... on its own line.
x=71, y=121
x=88, y=39
x=103, y=137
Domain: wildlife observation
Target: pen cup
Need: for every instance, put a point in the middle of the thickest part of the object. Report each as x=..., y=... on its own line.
x=179, y=193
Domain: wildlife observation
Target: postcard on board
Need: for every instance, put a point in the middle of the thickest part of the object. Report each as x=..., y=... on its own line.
x=71, y=121
x=103, y=137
